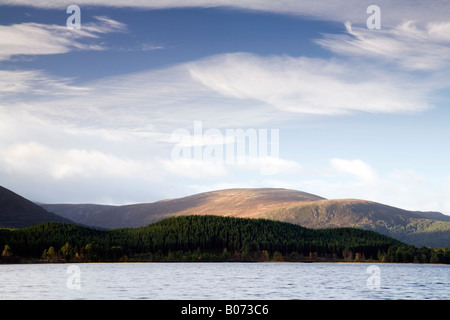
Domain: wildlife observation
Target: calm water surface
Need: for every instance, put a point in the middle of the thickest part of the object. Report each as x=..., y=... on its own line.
x=243, y=281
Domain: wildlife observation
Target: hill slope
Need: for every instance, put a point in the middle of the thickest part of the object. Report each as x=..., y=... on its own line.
x=417, y=228
x=18, y=212
x=243, y=203
x=83, y=214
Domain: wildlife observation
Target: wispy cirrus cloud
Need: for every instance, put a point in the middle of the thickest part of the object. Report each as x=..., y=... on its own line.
x=104, y=25
x=229, y=90
x=311, y=85
x=23, y=84
x=408, y=45
x=138, y=101
x=43, y=39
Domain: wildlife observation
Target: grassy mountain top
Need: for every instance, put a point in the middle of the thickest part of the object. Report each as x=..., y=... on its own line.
x=244, y=203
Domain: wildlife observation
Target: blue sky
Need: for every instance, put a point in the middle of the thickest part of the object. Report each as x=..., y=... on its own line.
x=90, y=115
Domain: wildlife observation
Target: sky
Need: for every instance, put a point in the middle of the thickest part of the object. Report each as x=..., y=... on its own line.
x=151, y=100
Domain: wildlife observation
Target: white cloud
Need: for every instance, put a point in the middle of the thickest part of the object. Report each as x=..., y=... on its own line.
x=310, y=85
x=104, y=25
x=35, y=158
x=358, y=169
x=42, y=39
x=21, y=85
x=408, y=45
x=151, y=47
x=439, y=31
x=139, y=102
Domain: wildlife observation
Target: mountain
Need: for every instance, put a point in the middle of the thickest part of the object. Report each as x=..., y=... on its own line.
x=243, y=203
x=79, y=213
x=308, y=210
x=413, y=227
x=18, y=212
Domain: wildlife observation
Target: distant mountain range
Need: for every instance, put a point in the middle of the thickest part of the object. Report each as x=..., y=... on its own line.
x=308, y=210
x=430, y=229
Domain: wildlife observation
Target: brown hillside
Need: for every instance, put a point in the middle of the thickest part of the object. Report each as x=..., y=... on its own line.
x=230, y=202
x=418, y=228
x=307, y=210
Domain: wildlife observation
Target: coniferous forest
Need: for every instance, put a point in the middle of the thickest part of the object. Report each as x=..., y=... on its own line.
x=207, y=238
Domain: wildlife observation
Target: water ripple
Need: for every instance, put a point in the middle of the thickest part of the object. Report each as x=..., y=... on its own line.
x=231, y=281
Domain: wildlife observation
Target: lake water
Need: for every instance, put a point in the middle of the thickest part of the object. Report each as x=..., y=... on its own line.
x=223, y=281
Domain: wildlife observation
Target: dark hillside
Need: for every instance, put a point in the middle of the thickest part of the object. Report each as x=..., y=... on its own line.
x=18, y=212
x=210, y=238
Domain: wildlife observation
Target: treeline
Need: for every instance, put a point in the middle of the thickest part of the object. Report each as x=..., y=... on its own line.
x=208, y=238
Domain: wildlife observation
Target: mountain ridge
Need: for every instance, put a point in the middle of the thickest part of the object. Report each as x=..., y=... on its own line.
x=239, y=202
x=419, y=228
x=297, y=207
x=413, y=227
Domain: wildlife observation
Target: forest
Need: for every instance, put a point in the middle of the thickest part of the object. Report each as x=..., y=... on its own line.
x=207, y=238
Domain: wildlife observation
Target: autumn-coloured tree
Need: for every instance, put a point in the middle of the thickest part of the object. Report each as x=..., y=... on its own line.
x=7, y=252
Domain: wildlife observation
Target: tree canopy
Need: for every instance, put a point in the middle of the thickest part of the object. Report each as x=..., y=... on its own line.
x=210, y=238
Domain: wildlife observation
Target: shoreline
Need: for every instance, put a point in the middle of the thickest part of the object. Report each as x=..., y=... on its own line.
x=29, y=262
